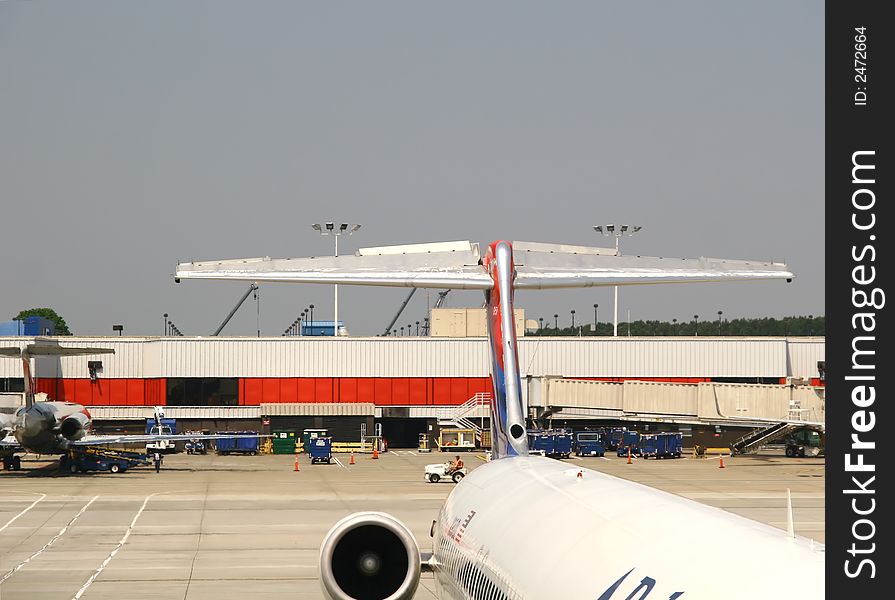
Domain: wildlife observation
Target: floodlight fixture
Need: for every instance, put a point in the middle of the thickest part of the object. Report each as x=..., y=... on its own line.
x=330, y=228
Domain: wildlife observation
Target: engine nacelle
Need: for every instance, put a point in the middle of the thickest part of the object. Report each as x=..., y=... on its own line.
x=74, y=427
x=367, y=556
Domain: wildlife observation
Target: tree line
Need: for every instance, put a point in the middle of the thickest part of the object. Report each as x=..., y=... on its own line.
x=766, y=326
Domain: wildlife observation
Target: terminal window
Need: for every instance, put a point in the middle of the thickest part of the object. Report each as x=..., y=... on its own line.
x=202, y=391
x=12, y=384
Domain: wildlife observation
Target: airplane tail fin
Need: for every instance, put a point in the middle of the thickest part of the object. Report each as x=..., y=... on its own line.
x=44, y=347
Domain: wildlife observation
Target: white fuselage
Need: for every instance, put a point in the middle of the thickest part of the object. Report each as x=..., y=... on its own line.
x=531, y=528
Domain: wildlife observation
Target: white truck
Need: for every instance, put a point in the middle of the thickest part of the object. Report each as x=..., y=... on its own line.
x=159, y=425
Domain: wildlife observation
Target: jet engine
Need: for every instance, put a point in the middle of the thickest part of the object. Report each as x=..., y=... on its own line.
x=74, y=427
x=369, y=556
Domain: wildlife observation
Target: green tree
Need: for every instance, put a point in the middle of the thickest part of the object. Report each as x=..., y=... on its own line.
x=47, y=313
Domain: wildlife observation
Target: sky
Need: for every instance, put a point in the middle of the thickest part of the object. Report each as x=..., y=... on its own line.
x=137, y=134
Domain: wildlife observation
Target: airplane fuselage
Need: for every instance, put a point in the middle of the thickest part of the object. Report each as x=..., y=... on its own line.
x=530, y=527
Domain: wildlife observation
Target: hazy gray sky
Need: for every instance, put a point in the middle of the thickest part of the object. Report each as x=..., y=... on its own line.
x=134, y=134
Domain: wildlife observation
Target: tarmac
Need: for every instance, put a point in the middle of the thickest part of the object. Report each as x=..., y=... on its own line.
x=216, y=527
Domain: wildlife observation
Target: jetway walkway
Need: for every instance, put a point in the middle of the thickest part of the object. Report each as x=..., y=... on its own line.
x=708, y=403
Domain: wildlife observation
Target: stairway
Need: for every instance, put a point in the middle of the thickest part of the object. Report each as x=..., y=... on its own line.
x=751, y=441
x=457, y=416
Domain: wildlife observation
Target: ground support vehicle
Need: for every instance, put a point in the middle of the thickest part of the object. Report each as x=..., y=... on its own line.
x=245, y=445
x=197, y=446
x=661, y=445
x=450, y=440
x=100, y=459
x=436, y=472
x=805, y=442
x=589, y=443
x=424, y=443
x=321, y=450
x=159, y=425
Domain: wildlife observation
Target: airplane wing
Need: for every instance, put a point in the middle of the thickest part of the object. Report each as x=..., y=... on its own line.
x=456, y=265
x=105, y=440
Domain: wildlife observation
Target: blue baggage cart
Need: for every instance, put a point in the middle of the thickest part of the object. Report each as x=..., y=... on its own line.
x=240, y=445
x=541, y=441
x=661, y=445
x=321, y=450
x=562, y=444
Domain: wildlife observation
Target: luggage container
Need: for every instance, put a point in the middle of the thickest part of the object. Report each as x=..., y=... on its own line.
x=311, y=434
x=541, y=441
x=630, y=439
x=241, y=445
x=562, y=444
x=321, y=450
x=661, y=445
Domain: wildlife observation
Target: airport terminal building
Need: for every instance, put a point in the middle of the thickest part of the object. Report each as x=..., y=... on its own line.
x=410, y=384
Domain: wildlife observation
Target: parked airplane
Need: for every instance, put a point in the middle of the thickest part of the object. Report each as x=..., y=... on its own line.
x=57, y=427
x=523, y=526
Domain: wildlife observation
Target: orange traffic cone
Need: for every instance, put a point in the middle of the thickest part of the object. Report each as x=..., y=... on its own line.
x=352, y=458
x=375, y=452
x=629, y=455
x=580, y=474
x=296, y=462
x=720, y=462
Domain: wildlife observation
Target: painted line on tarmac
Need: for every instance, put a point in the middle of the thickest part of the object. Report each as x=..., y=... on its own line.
x=393, y=452
x=115, y=550
x=339, y=462
x=603, y=458
x=10, y=522
x=48, y=544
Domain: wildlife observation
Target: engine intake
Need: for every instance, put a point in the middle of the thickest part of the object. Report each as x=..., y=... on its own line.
x=369, y=556
x=74, y=427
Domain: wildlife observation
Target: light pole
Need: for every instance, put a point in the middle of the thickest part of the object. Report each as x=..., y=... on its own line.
x=596, y=320
x=118, y=328
x=556, y=321
x=696, y=318
x=541, y=321
x=720, y=312
x=616, y=232
x=573, y=319
x=330, y=229
x=674, y=326
x=165, y=323
x=417, y=329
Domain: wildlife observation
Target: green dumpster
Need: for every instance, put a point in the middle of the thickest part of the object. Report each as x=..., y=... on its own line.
x=283, y=442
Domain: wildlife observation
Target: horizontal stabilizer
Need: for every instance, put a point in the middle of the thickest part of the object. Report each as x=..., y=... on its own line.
x=456, y=265
x=50, y=348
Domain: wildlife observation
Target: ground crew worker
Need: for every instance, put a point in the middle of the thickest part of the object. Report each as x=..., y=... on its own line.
x=157, y=461
x=457, y=465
